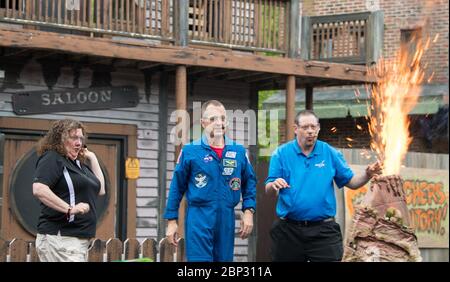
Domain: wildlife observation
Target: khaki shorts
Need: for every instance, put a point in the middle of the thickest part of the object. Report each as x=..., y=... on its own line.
x=57, y=248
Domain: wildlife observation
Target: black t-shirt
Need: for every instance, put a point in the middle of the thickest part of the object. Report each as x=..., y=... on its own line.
x=49, y=171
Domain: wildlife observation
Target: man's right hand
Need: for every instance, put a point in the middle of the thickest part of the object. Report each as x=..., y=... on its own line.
x=172, y=234
x=278, y=184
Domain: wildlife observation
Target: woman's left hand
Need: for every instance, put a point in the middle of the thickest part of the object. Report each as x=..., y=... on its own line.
x=88, y=154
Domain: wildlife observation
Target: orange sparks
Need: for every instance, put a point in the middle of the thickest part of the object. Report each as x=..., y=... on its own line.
x=435, y=39
x=392, y=98
x=333, y=129
x=430, y=78
x=349, y=139
x=359, y=127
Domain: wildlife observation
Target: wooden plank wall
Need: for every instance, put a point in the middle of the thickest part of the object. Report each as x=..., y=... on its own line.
x=144, y=116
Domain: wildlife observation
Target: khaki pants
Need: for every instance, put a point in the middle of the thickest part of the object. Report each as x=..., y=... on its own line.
x=57, y=248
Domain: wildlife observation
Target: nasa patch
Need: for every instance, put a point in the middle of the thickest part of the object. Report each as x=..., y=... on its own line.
x=201, y=180
x=235, y=183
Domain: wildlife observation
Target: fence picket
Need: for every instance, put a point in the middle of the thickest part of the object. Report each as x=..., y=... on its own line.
x=18, y=250
x=131, y=248
x=113, y=249
x=96, y=251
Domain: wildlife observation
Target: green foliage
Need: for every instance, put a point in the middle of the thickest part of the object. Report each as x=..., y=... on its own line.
x=263, y=96
x=136, y=260
x=266, y=142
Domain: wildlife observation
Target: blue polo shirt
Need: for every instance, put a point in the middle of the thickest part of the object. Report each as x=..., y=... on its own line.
x=311, y=193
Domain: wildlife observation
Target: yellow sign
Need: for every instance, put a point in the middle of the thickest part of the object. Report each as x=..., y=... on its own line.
x=427, y=197
x=132, y=168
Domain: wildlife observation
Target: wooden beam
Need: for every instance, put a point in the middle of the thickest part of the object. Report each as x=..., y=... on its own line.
x=374, y=37
x=145, y=66
x=261, y=77
x=182, y=24
x=198, y=70
x=294, y=28
x=305, y=48
x=102, y=61
x=15, y=52
x=221, y=73
x=181, y=104
x=162, y=151
x=242, y=75
x=290, y=107
x=40, y=55
x=182, y=55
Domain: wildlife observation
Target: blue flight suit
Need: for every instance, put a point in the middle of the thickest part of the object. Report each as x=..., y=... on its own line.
x=213, y=188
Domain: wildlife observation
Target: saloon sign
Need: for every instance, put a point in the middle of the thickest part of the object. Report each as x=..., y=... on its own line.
x=39, y=102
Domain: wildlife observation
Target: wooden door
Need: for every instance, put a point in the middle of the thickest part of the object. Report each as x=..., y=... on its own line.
x=19, y=158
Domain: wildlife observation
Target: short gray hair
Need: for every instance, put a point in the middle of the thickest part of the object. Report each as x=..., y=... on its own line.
x=305, y=113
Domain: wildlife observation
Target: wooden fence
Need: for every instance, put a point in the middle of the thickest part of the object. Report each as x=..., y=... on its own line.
x=18, y=250
x=259, y=24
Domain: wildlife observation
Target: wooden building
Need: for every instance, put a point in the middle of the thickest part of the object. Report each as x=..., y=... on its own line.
x=154, y=57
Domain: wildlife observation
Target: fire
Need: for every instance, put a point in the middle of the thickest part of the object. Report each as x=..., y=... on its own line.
x=392, y=98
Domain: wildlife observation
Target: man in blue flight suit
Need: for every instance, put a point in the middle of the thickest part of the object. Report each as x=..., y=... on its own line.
x=213, y=172
x=302, y=172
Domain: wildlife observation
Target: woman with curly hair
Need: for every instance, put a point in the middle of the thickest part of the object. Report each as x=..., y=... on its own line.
x=68, y=179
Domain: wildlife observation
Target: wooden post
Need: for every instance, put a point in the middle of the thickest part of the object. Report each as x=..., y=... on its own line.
x=162, y=152
x=290, y=106
x=375, y=36
x=290, y=83
x=181, y=104
x=308, y=97
x=182, y=24
x=294, y=28
x=305, y=42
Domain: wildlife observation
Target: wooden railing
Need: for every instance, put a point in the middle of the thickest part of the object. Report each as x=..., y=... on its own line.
x=142, y=18
x=349, y=38
x=18, y=250
x=334, y=37
x=256, y=25
x=245, y=24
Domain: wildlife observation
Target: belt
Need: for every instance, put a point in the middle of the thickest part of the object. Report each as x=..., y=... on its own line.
x=307, y=222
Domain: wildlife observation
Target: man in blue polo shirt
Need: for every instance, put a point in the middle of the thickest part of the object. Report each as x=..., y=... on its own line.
x=302, y=172
x=213, y=172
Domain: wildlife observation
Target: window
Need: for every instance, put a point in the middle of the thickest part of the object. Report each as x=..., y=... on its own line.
x=409, y=39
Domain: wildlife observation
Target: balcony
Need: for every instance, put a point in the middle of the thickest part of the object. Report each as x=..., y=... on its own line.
x=241, y=24
x=260, y=26
x=355, y=38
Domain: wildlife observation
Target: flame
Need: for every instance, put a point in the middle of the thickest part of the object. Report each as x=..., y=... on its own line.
x=392, y=98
